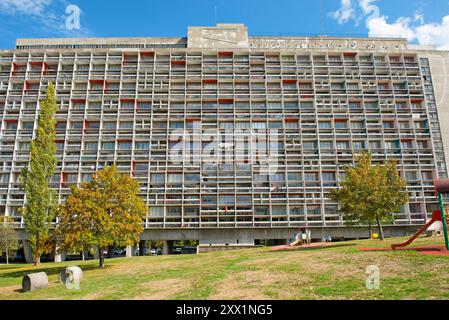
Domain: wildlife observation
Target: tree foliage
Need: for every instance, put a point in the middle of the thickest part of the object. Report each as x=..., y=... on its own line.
x=41, y=202
x=103, y=212
x=9, y=239
x=371, y=193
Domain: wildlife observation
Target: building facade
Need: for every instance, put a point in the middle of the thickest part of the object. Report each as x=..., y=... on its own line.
x=233, y=138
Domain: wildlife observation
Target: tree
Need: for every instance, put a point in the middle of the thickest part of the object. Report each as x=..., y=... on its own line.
x=40, y=201
x=371, y=193
x=9, y=240
x=103, y=212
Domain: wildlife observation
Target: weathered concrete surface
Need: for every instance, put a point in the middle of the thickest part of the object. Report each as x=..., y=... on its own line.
x=221, y=36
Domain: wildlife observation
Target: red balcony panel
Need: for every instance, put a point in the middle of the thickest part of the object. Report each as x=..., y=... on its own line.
x=226, y=101
x=178, y=62
x=226, y=54
x=210, y=81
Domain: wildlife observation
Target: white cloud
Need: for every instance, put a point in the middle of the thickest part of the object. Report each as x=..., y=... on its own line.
x=378, y=25
x=345, y=13
x=27, y=7
x=436, y=34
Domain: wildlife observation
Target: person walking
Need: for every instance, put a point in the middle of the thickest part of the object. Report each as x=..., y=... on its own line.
x=304, y=237
x=309, y=236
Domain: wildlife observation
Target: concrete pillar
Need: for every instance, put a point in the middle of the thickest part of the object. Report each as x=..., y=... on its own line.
x=61, y=256
x=84, y=254
x=96, y=253
x=142, y=247
x=168, y=247
x=130, y=251
x=27, y=252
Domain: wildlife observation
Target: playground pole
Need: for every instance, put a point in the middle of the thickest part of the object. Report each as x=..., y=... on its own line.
x=443, y=219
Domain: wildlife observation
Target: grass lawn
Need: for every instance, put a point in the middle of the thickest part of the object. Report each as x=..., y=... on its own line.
x=336, y=272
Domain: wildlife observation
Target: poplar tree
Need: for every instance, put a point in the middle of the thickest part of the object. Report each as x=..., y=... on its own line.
x=40, y=200
x=371, y=193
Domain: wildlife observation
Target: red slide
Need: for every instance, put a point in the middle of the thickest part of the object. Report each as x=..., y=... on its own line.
x=436, y=216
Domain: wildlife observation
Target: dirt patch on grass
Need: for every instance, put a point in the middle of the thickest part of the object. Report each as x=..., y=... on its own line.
x=6, y=291
x=232, y=288
x=162, y=289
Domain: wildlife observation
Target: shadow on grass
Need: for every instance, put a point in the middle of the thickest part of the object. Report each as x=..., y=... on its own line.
x=49, y=271
x=314, y=248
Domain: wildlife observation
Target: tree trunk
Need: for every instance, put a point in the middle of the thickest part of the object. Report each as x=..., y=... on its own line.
x=101, y=257
x=82, y=255
x=381, y=231
x=37, y=260
x=370, y=229
x=6, y=251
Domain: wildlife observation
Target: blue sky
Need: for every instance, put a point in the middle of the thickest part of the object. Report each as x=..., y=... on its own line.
x=422, y=21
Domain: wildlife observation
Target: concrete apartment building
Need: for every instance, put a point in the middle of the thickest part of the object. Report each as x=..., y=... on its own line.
x=322, y=99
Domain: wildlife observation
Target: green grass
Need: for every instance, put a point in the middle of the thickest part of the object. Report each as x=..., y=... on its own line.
x=337, y=272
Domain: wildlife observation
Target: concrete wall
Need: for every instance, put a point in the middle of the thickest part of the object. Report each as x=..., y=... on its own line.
x=244, y=237
x=439, y=68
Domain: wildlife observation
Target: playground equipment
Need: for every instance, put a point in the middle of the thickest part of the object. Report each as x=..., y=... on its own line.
x=441, y=188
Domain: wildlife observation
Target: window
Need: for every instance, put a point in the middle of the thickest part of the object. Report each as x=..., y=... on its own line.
x=76, y=125
x=109, y=125
x=158, y=178
x=176, y=125
x=311, y=176
x=27, y=125
x=411, y=176
x=357, y=125
x=359, y=145
x=91, y=145
x=388, y=124
x=259, y=125
x=391, y=144
x=156, y=212
x=325, y=125
x=279, y=210
x=243, y=125
x=326, y=145
x=309, y=145
x=228, y=199
x=174, y=178
x=226, y=125
x=275, y=125
x=342, y=145
x=108, y=145
x=294, y=177
x=142, y=145
x=277, y=177
x=329, y=176
x=407, y=145
x=291, y=125
x=126, y=125
x=341, y=125
x=261, y=210
x=127, y=145
x=192, y=177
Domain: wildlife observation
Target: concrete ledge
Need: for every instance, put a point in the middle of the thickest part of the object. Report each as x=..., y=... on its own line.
x=216, y=247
